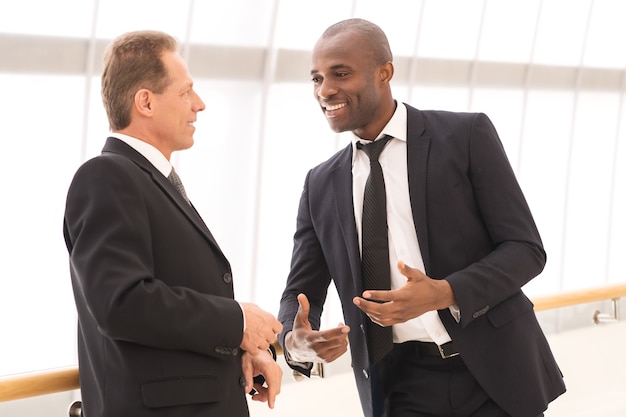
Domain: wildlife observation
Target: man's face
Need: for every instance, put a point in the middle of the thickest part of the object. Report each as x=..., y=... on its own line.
x=346, y=84
x=176, y=108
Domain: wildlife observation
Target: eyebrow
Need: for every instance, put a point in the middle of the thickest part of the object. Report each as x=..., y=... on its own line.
x=334, y=68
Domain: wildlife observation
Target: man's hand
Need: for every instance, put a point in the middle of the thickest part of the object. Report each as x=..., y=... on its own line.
x=261, y=329
x=419, y=295
x=262, y=364
x=307, y=345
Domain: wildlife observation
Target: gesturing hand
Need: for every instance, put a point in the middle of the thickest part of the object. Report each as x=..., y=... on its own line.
x=261, y=329
x=419, y=295
x=307, y=345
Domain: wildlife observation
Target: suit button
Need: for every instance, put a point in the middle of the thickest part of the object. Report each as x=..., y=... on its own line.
x=242, y=381
x=365, y=374
x=227, y=278
x=362, y=328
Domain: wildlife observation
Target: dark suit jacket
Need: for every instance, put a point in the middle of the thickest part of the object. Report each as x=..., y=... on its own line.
x=474, y=229
x=159, y=330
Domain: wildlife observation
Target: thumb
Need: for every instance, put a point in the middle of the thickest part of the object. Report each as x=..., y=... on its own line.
x=302, y=316
x=409, y=272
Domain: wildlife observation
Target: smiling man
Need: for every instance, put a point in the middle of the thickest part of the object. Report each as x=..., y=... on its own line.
x=426, y=234
x=159, y=332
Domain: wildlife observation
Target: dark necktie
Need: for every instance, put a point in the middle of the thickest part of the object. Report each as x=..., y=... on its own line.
x=375, y=268
x=175, y=179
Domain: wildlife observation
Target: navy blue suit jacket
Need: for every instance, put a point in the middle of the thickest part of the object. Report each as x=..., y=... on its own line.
x=474, y=229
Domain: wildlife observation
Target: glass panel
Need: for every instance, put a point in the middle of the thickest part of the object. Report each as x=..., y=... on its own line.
x=617, y=243
x=604, y=48
x=450, y=29
x=300, y=24
x=297, y=139
x=220, y=170
x=589, y=194
x=542, y=174
x=119, y=16
x=42, y=146
x=508, y=31
x=440, y=98
x=232, y=22
x=561, y=33
x=44, y=17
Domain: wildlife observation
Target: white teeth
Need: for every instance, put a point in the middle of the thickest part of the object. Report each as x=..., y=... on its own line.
x=336, y=107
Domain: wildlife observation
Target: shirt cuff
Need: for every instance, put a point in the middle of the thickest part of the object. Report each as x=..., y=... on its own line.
x=456, y=312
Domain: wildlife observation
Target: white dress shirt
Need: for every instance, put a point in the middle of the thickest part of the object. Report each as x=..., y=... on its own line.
x=403, y=243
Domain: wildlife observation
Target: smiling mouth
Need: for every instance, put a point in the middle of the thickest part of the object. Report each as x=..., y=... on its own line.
x=335, y=107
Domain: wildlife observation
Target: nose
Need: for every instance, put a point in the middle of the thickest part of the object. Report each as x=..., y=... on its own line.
x=198, y=103
x=325, y=90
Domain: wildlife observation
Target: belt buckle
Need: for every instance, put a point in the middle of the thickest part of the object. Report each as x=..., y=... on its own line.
x=444, y=355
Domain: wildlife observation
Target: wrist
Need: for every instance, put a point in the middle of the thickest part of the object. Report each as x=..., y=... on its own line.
x=447, y=297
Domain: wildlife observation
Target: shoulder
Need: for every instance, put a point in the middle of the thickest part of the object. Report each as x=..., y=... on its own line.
x=440, y=124
x=444, y=118
x=108, y=173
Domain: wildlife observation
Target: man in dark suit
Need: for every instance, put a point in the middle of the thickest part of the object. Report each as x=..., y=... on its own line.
x=461, y=244
x=159, y=332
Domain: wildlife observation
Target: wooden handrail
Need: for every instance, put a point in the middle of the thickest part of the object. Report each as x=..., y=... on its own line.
x=571, y=298
x=33, y=384
x=14, y=387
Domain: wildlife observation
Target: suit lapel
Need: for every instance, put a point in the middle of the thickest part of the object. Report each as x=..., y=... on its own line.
x=117, y=146
x=418, y=146
x=342, y=189
x=189, y=210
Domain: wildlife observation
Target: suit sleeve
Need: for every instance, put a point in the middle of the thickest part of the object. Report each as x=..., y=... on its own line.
x=309, y=274
x=500, y=225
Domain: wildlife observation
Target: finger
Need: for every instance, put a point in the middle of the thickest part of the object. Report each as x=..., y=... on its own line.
x=272, y=391
x=368, y=307
x=378, y=295
x=334, y=333
x=276, y=328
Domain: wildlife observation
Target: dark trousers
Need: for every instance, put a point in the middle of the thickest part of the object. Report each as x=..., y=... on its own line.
x=428, y=386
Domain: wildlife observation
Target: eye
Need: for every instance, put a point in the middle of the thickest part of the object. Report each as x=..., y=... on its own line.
x=315, y=80
x=341, y=74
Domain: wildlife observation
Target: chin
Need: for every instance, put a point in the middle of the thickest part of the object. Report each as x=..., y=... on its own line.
x=337, y=128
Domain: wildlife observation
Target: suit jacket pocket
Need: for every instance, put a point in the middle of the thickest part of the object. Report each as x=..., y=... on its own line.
x=181, y=391
x=510, y=309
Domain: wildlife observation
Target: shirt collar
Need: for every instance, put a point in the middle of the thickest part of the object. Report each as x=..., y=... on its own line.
x=396, y=127
x=152, y=154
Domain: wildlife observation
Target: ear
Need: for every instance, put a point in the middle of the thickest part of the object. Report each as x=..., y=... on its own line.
x=144, y=102
x=385, y=72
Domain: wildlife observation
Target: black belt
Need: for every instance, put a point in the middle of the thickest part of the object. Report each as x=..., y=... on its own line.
x=445, y=351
